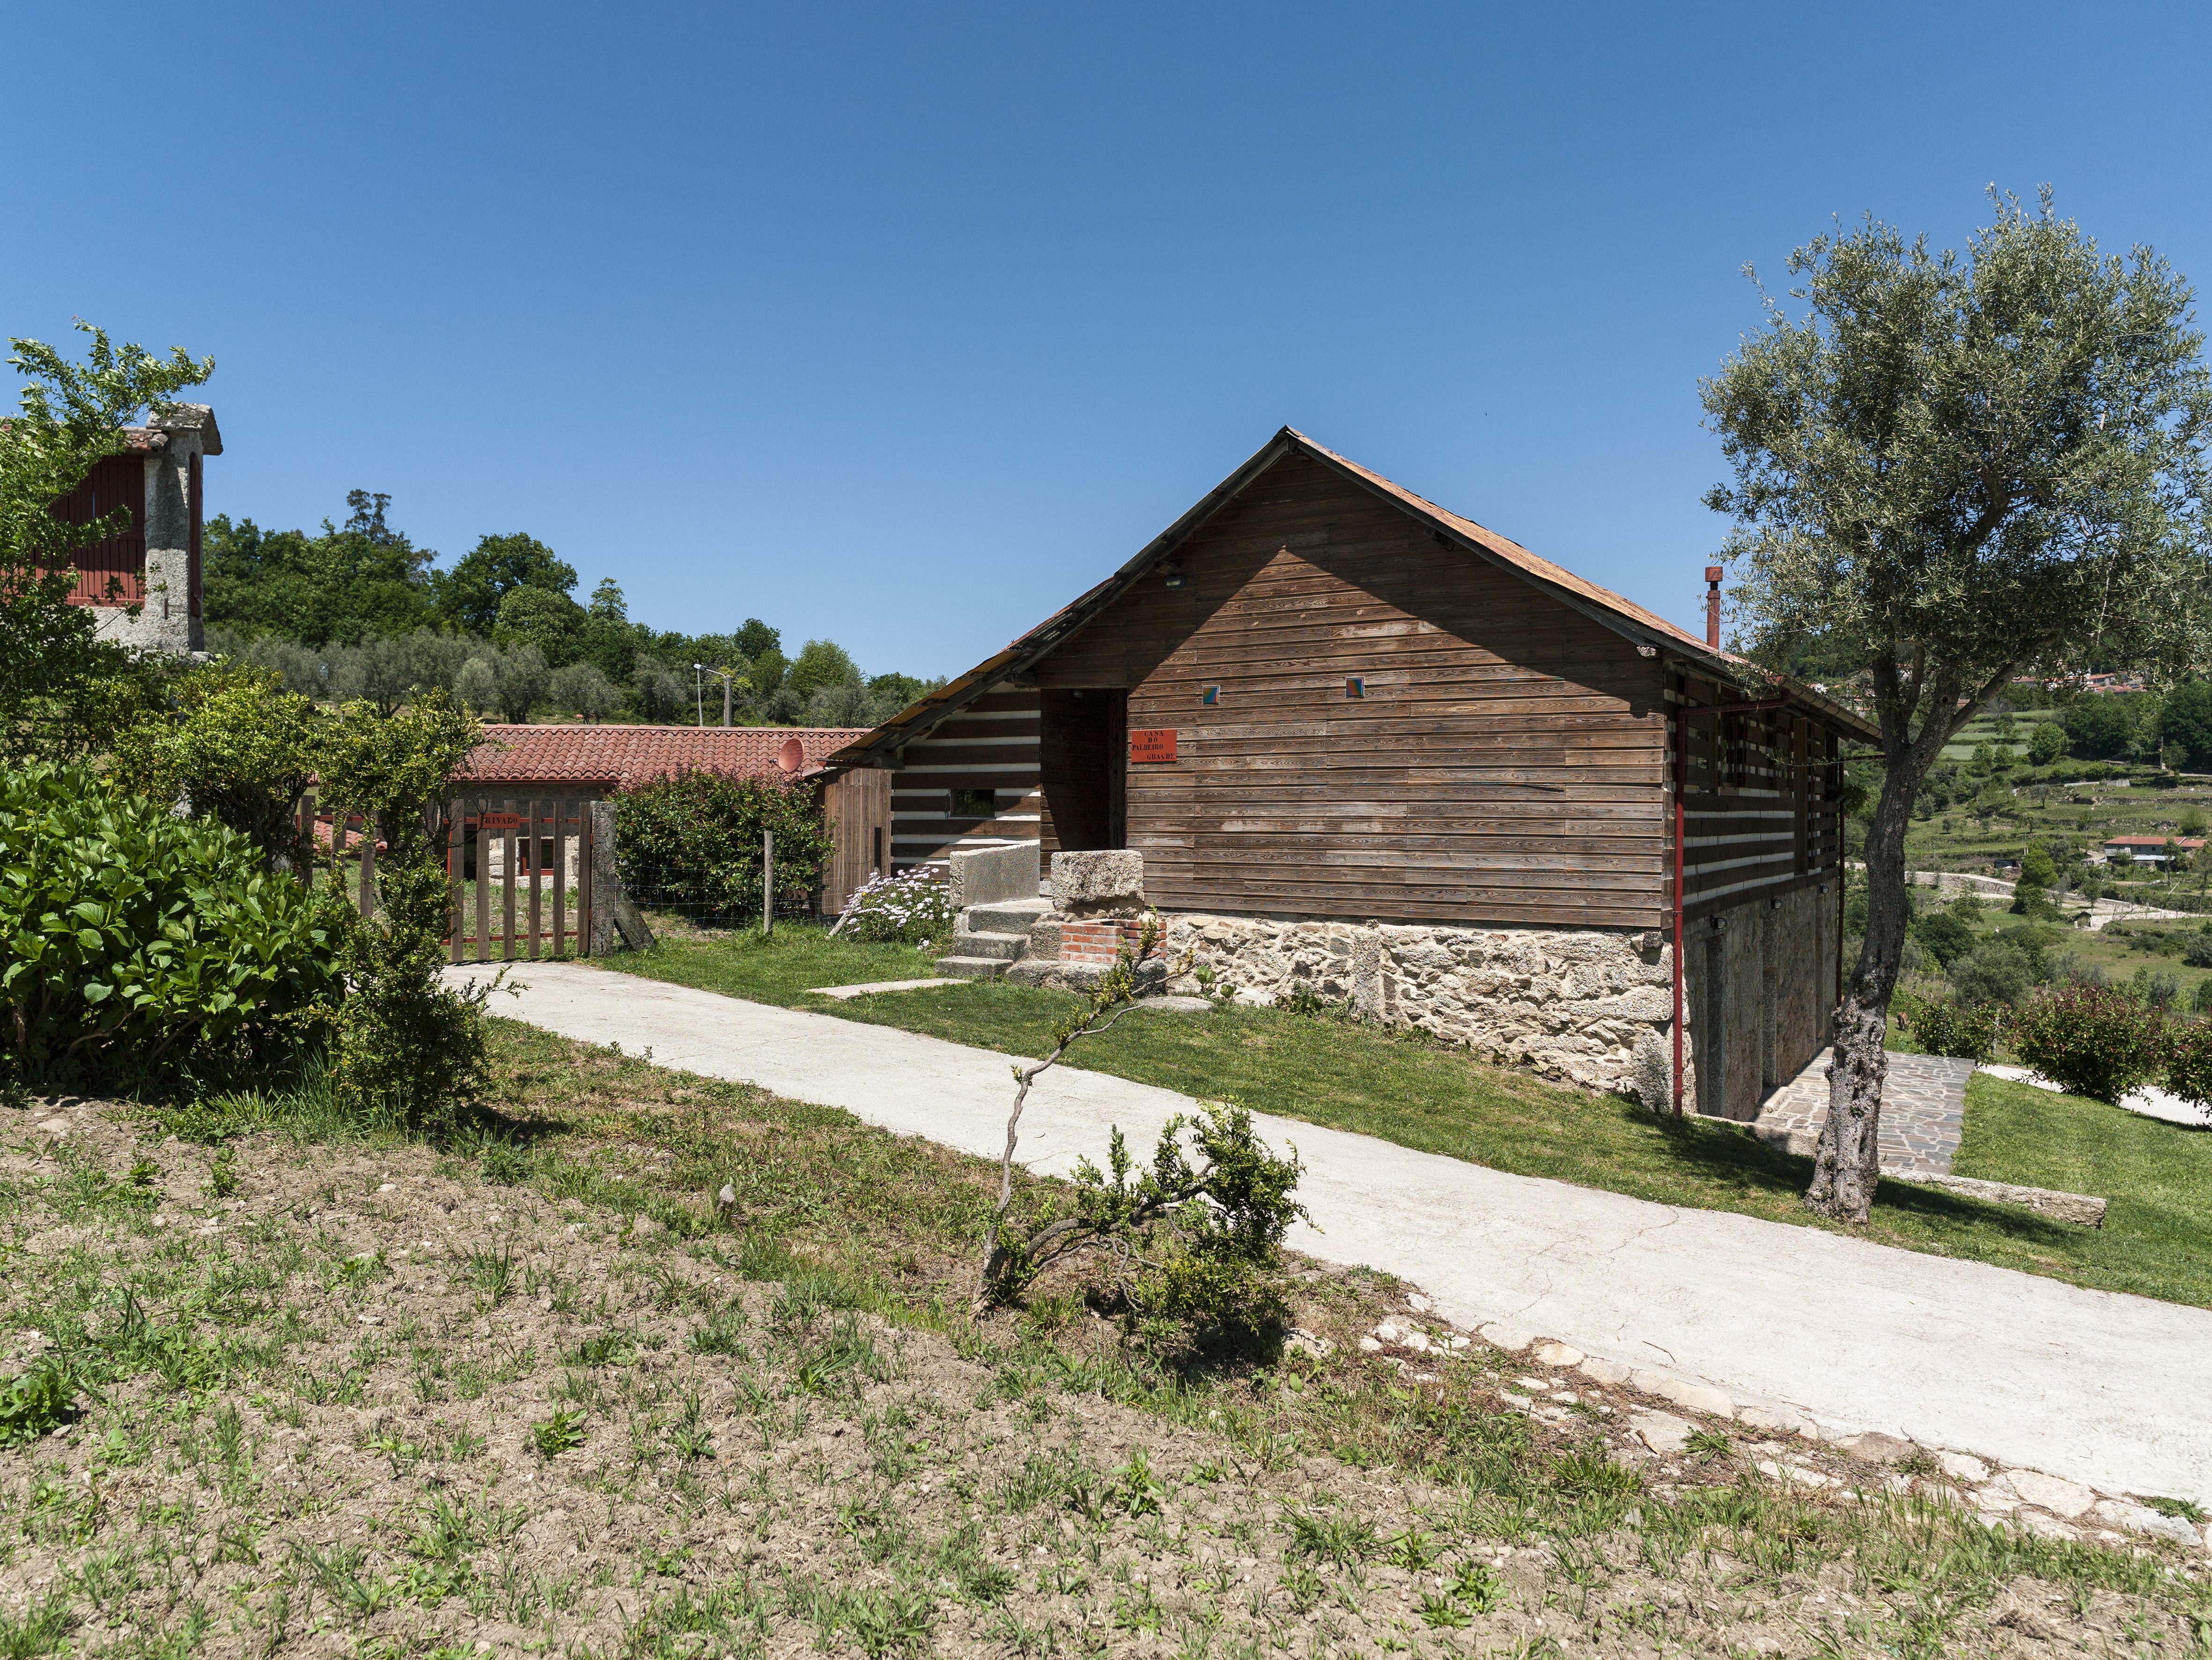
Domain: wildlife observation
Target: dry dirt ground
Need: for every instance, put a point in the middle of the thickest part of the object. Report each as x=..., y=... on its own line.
x=361, y=1396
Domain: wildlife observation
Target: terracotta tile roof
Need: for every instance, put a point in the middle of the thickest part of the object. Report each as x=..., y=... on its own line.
x=623, y=758
x=1622, y=614
x=2188, y=843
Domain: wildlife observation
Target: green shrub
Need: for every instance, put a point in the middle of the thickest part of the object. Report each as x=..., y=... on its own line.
x=141, y=948
x=235, y=744
x=2187, y=1059
x=2096, y=1040
x=1943, y=1025
x=692, y=843
x=2160, y=989
x=408, y=1044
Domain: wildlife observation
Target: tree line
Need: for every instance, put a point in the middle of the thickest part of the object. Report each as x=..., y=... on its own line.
x=358, y=611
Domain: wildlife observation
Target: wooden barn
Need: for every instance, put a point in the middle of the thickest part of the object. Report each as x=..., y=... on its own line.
x=1364, y=744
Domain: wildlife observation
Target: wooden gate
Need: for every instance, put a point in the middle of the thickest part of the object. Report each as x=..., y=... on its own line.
x=537, y=854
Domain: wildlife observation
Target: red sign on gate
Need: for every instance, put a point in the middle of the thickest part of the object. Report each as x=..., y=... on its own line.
x=1153, y=746
x=500, y=821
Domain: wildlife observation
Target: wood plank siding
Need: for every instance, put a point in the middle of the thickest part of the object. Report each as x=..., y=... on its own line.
x=988, y=749
x=1506, y=763
x=113, y=572
x=1760, y=799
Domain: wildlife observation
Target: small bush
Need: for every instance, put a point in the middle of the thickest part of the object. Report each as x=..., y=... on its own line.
x=2196, y=950
x=1944, y=1025
x=142, y=947
x=2096, y=1040
x=915, y=908
x=2187, y=1059
x=2160, y=989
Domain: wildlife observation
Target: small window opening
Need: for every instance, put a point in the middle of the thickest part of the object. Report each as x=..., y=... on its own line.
x=973, y=804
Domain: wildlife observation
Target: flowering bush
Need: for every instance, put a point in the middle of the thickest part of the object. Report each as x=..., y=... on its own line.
x=2096, y=1040
x=916, y=908
x=1945, y=1025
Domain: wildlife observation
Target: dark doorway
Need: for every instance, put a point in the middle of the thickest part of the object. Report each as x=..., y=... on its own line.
x=1082, y=758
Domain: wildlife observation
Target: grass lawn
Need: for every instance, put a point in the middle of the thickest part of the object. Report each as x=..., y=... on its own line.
x=1405, y=1089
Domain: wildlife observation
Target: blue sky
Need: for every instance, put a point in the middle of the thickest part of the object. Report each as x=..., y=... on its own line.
x=903, y=325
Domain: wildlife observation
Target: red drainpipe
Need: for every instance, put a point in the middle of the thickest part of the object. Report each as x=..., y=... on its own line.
x=1681, y=777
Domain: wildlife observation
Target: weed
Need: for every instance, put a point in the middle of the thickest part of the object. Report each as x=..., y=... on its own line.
x=491, y=1273
x=1343, y=1539
x=39, y=1399
x=1480, y=1588
x=223, y=1173
x=563, y=1433
x=1440, y=1612
x=1710, y=1443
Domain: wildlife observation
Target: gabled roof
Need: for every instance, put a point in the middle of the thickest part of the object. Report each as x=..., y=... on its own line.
x=1601, y=604
x=623, y=757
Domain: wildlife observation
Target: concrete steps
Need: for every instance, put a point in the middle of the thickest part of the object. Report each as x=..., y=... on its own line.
x=1007, y=916
x=972, y=968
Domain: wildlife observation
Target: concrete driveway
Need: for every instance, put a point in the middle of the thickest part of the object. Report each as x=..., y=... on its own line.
x=2098, y=1387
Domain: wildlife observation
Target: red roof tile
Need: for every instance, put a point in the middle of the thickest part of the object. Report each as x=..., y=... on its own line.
x=2189, y=842
x=623, y=758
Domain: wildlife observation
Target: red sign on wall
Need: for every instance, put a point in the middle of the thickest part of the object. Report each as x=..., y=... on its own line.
x=1151, y=746
x=492, y=821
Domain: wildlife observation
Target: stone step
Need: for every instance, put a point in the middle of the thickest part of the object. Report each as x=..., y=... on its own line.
x=970, y=968
x=1006, y=947
x=1006, y=916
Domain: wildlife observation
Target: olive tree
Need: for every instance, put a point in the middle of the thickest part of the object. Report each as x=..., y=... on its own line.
x=1960, y=468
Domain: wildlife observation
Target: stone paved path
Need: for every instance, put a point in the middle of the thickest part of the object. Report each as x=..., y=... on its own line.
x=1924, y=1112
x=2090, y=1385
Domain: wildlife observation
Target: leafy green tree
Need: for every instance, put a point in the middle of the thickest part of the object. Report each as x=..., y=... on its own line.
x=359, y=581
x=2101, y=727
x=1970, y=465
x=237, y=747
x=469, y=593
x=2185, y=719
x=755, y=637
x=820, y=662
x=553, y=622
x=2046, y=743
x=64, y=690
x=1945, y=936
x=583, y=688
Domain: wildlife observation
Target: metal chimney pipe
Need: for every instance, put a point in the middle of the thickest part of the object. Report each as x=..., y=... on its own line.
x=1713, y=606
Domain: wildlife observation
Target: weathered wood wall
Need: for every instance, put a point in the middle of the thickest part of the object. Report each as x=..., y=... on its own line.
x=859, y=805
x=1506, y=765
x=991, y=746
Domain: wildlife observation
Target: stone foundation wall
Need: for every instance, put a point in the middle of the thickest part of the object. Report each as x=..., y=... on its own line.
x=1587, y=1005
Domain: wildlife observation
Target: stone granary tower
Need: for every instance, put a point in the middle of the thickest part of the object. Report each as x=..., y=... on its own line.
x=144, y=583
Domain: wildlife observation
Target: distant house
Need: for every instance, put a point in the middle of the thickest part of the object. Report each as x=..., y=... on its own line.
x=518, y=763
x=1372, y=748
x=2153, y=849
x=152, y=566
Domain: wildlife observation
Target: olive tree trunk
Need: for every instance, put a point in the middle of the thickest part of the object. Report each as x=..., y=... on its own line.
x=1848, y=1163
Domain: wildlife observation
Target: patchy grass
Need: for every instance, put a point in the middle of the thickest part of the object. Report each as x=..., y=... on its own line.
x=1404, y=1088
x=521, y=1393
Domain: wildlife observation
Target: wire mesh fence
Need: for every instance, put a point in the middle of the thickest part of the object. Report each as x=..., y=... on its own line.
x=722, y=897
